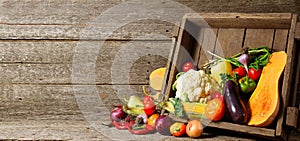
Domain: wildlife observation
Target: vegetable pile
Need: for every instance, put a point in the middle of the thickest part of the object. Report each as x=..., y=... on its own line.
x=230, y=87
x=144, y=116
x=240, y=89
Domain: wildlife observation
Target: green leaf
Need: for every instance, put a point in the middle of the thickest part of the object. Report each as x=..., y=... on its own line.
x=225, y=77
x=260, y=57
x=178, y=108
x=234, y=62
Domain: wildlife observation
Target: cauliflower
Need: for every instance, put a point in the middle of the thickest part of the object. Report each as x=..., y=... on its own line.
x=194, y=86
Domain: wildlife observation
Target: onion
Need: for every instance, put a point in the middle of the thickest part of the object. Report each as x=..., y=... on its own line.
x=117, y=114
x=194, y=129
x=245, y=59
x=163, y=124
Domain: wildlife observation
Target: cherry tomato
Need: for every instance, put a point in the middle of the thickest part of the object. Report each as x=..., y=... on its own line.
x=194, y=128
x=149, y=106
x=178, y=129
x=187, y=66
x=254, y=74
x=152, y=120
x=240, y=71
x=215, y=110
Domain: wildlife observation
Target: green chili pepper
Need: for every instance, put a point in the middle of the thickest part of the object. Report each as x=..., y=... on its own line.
x=247, y=85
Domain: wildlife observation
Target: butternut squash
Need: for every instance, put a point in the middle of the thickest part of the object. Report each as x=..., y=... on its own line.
x=156, y=78
x=265, y=101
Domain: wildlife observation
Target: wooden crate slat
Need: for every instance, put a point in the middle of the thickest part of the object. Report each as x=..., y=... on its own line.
x=172, y=69
x=25, y=129
x=208, y=43
x=194, y=37
x=198, y=44
x=242, y=20
x=287, y=78
x=243, y=128
x=57, y=102
x=167, y=85
x=230, y=41
x=280, y=40
x=297, y=32
x=259, y=37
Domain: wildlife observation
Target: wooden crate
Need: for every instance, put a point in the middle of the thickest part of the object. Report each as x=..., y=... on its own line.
x=226, y=34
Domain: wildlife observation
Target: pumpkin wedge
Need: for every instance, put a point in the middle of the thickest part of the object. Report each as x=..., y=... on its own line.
x=156, y=78
x=265, y=101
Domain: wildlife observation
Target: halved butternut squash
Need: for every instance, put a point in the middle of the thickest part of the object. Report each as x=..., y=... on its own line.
x=265, y=101
x=156, y=78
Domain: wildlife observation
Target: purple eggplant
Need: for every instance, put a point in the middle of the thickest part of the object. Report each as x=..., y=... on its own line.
x=234, y=104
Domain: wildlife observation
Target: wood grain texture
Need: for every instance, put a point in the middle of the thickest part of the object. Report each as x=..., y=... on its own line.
x=81, y=130
x=49, y=130
x=262, y=132
x=259, y=37
x=297, y=32
x=232, y=45
x=241, y=20
x=209, y=43
x=66, y=20
x=82, y=11
x=198, y=44
x=61, y=102
x=39, y=55
x=59, y=61
x=287, y=78
x=280, y=40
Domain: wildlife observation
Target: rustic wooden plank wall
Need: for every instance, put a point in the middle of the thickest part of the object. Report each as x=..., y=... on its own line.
x=38, y=42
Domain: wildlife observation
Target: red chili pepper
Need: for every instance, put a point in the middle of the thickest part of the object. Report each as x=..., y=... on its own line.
x=146, y=130
x=122, y=125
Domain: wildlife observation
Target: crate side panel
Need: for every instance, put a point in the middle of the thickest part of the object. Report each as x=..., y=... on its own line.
x=197, y=45
x=259, y=37
x=243, y=20
x=287, y=79
x=186, y=51
x=180, y=55
x=243, y=128
x=280, y=39
x=195, y=37
x=230, y=41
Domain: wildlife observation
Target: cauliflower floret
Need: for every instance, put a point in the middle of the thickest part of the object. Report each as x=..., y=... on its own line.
x=194, y=85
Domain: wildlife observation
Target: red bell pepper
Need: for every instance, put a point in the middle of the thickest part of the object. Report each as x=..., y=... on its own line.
x=122, y=125
x=141, y=130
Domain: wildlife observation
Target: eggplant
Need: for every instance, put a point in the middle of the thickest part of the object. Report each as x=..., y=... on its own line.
x=234, y=104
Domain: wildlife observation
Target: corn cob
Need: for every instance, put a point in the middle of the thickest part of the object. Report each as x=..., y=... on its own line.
x=191, y=109
x=194, y=110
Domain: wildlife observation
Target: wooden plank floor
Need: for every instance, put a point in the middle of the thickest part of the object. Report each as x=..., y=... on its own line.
x=53, y=69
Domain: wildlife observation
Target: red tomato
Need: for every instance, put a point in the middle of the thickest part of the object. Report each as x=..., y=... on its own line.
x=187, y=66
x=240, y=71
x=194, y=129
x=149, y=106
x=218, y=95
x=215, y=110
x=254, y=74
x=178, y=129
